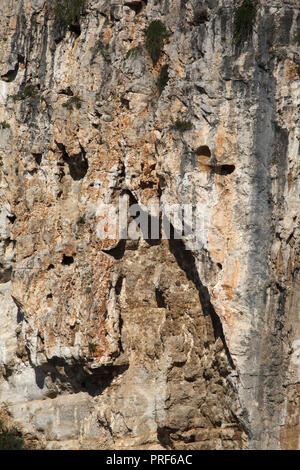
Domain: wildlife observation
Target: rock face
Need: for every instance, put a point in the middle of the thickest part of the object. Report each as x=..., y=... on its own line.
x=132, y=344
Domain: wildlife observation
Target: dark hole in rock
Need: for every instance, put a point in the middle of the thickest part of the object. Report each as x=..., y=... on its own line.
x=11, y=218
x=75, y=28
x=159, y=299
x=152, y=226
x=61, y=174
x=5, y=275
x=135, y=6
x=125, y=103
x=223, y=169
x=219, y=266
x=78, y=164
x=30, y=172
x=203, y=150
x=51, y=266
x=163, y=436
x=66, y=91
x=20, y=313
x=112, y=16
x=119, y=285
x=11, y=74
x=200, y=89
x=37, y=157
x=200, y=16
x=118, y=251
x=49, y=296
x=67, y=260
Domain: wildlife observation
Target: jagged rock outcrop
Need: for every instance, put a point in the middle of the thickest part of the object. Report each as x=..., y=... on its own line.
x=144, y=343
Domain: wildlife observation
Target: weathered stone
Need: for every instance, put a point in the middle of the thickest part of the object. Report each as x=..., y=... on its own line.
x=143, y=344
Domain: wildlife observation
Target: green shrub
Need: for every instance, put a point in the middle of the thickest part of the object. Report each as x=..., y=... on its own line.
x=4, y=125
x=10, y=439
x=182, y=126
x=17, y=97
x=73, y=101
x=163, y=78
x=92, y=347
x=155, y=35
x=100, y=47
x=29, y=92
x=81, y=220
x=134, y=51
x=67, y=12
x=244, y=17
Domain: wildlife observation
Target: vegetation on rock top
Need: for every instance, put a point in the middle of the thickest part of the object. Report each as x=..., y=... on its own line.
x=10, y=439
x=163, y=78
x=67, y=12
x=244, y=17
x=155, y=35
x=182, y=126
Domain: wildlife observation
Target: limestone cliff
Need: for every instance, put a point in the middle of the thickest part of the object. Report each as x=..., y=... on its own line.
x=145, y=344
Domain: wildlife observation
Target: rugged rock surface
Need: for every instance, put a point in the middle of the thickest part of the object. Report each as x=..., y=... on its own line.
x=143, y=344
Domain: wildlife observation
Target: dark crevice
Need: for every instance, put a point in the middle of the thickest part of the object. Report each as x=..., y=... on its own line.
x=200, y=89
x=135, y=6
x=118, y=287
x=11, y=74
x=5, y=275
x=203, y=150
x=75, y=28
x=66, y=91
x=223, y=169
x=117, y=251
x=37, y=157
x=125, y=103
x=160, y=299
x=150, y=226
x=67, y=260
x=12, y=218
x=74, y=378
x=78, y=164
x=163, y=436
x=20, y=312
x=186, y=262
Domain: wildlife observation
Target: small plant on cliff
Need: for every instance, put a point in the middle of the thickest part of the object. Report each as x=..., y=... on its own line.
x=134, y=52
x=4, y=125
x=155, y=35
x=73, y=101
x=182, y=126
x=10, y=439
x=29, y=91
x=81, y=220
x=244, y=17
x=163, y=78
x=67, y=12
x=92, y=347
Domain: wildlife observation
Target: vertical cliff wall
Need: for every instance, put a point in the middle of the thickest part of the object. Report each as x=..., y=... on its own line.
x=144, y=343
